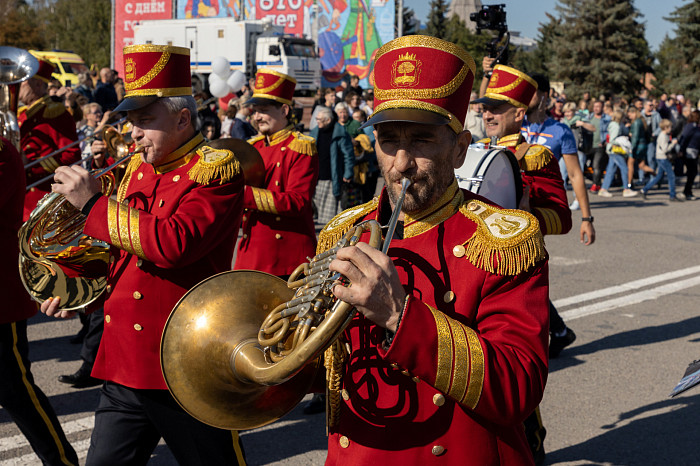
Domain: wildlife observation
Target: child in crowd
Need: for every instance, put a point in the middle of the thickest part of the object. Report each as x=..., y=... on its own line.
x=665, y=145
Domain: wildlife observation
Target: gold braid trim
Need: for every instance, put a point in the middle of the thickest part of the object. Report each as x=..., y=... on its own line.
x=255, y=139
x=334, y=359
x=342, y=223
x=303, y=144
x=536, y=158
x=54, y=109
x=134, y=164
x=214, y=164
x=506, y=241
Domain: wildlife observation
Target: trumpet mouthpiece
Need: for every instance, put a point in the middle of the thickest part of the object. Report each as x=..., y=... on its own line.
x=138, y=150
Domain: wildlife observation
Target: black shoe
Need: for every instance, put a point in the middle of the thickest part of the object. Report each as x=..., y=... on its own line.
x=557, y=344
x=81, y=378
x=644, y=195
x=316, y=405
x=674, y=199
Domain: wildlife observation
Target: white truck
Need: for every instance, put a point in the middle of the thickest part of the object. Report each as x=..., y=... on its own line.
x=248, y=45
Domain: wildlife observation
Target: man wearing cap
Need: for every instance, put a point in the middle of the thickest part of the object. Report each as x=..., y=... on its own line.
x=173, y=223
x=448, y=352
x=45, y=126
x=278, y=226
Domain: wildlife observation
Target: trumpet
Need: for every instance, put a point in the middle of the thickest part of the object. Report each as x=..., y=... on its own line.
x=56, y=257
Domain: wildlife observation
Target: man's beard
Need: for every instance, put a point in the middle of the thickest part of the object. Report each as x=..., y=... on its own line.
x=424, y=190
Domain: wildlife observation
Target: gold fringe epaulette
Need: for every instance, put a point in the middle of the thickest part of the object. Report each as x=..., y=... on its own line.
x=54, y=109
x=506, y=241
x=255, y=139
x=342, y=223
x=303, y=144
x=536, y=158
x=213, y=164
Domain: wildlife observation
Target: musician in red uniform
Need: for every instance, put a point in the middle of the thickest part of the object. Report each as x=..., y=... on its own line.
x=448, y=353
x=505, y=102
x=45, y=126
x=278, y=226
x=19, y=395
x=173, y=223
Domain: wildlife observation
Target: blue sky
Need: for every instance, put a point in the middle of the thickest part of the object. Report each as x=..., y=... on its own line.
x=526, y=15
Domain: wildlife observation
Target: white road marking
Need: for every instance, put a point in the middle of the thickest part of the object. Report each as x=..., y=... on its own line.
x=625, y=287
x=70, y=427
x=629, y=299
x=560, y=261
x=30, y=459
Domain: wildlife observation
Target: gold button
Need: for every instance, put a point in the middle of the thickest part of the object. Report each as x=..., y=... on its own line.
x=394, y=365
x=176, y=178
x=277, y=183
x=459, y=251
x=108, y=318
x=278, y=218
x=109, y=288
x=278, y=164
x=111, y=260
x=416, y=379
x=344, y=393
x=449, y=297
x=283, y=148
x=137, y=327
x=160, y=204
x=278, y=236
x=32, y=190
x=438, y=450
x=472, y=206
x=344, y=442
x=139, y=263
x=139, y=176
x=438, y=399
x=245, y=218
x=245, y=235
x=406, y=373
x=137, y=295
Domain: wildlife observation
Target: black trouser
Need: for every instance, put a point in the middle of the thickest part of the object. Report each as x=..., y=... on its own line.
x=26, y=403
x=95, y=327
x=129, y=424
x=691, y=171
x=600, y=161
x=556, y=323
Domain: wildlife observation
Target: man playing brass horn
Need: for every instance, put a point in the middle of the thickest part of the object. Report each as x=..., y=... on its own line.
x=173, y=224
x=448, y=353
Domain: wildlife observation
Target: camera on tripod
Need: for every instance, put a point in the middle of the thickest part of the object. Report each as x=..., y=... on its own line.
x=490, y=17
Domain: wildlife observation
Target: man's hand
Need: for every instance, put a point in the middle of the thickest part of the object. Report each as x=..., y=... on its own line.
x=50, y=308
x=99, y=149
x=487, y=64
x=587, y=233
x=375, y=289
x=76, y=184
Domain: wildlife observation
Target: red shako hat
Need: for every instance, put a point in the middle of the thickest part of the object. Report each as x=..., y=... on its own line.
x=508, y=85
x=422, y=79
x=154, y=71
x=272, y=85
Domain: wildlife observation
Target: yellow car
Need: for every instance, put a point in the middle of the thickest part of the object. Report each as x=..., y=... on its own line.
x=67, y=65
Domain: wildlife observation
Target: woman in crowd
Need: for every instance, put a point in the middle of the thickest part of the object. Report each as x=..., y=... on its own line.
x=618, y=157
x=638, y=138
x=689, y=146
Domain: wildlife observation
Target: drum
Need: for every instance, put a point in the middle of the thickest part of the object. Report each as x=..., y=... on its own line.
x=493, y=173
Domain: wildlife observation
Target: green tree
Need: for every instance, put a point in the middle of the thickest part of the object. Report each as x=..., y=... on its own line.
x=410, y=23
x=19, y=26
x=679, y=57
x=437, y=20
x=601, y=47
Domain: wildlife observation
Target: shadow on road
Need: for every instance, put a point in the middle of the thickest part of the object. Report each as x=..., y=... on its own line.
x=641, y=437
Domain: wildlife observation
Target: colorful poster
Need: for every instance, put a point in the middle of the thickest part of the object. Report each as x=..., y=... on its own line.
x=349, y=34
x=287, y=13
x=128, y=12
x=218, y=8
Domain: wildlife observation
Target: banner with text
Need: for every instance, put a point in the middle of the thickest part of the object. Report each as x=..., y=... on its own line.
x=128, y=12
x=287, y=13
x=349, y=34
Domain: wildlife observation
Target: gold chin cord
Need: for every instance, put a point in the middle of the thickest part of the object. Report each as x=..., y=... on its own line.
x=56, y=259
x=241, y=349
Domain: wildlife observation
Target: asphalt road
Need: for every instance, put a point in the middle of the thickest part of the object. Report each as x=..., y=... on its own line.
x=631, y=299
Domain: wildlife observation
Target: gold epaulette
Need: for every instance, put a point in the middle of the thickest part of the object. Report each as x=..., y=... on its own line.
x=134, y=163
x=213, y=164
x=342, y=223
x=536, y=158
x=484, y=141
x=506, y=241
x=303, y=144
x=255, y=139
x=54, y=109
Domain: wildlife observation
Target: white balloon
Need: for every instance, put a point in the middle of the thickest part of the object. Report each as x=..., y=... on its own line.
x=236, y=81
x=218, y=88
x=220, y=66
x=214, y=78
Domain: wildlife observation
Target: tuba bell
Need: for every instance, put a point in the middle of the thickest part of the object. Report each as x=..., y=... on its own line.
x=241, y=349
x=16, y=65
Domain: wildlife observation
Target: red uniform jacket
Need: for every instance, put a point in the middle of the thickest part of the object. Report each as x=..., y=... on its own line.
x=171, y=227
x=45, y=126
x=469, y=360
x=540, y=171
x=278, y=225
x=17, y=305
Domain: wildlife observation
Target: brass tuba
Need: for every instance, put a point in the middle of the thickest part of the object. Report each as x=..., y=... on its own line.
x=16, y=65
x=56, y=258
x=241, y=348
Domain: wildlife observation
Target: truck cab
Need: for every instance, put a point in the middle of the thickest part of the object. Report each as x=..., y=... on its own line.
x=294, y=56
